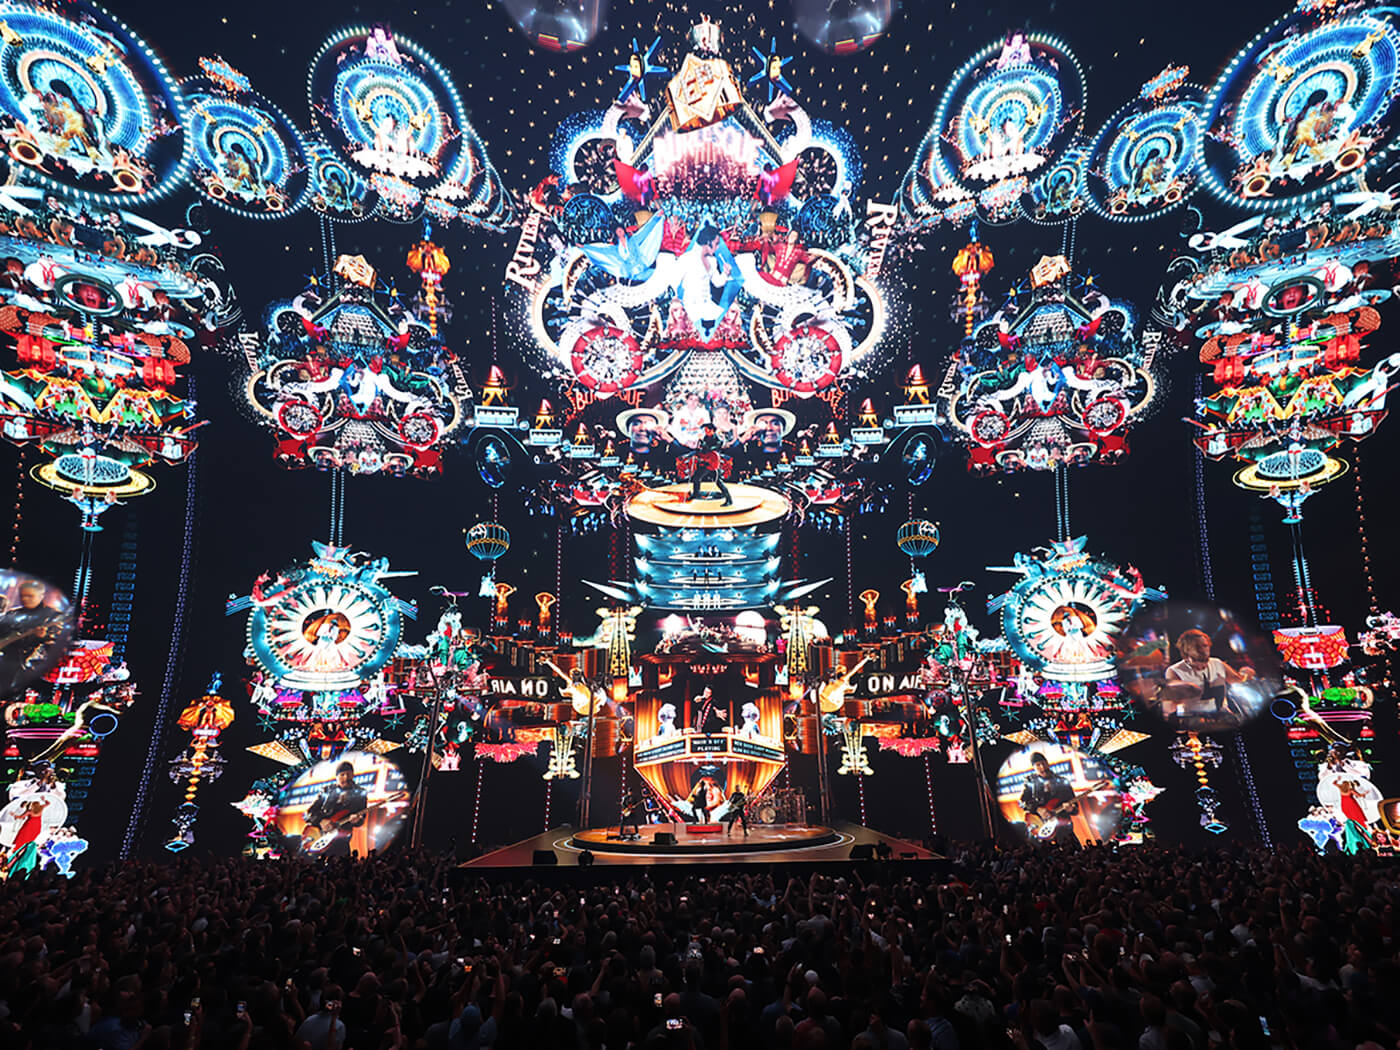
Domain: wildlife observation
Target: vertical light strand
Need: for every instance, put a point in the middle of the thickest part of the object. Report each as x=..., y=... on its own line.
x=860, y=789
x=559, y=560
x=548, y=798
x=1371, y=607
x=123, y=591
x=1244, y=768
x=18, y=521
x=476, y=802
x=928, y=790
x=340, y=512
x=850, y=579
x=326, y=251
x=622, y=781
x=173, y=657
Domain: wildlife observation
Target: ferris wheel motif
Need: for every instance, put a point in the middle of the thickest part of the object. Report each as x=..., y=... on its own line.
x=1011, y=110
x=248, y=157
x=388, y=106
x=1142, y=162
x=1310, y=100
x=1063, y=615
x=327, y=624
x=86, y=105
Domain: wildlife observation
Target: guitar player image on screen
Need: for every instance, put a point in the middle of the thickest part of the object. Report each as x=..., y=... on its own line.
x=1052, y=793
x=36, y=624
x=341, y=806
x=353, y=804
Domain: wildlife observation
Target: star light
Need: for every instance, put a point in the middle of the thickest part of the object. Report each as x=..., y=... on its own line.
x=770, y=68
x=638, y=67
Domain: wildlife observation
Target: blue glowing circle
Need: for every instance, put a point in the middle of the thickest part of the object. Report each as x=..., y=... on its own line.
x=1011, y=110
x=86, y=106
x=1310, y=100
x=248, y=158
x=389, y=107
x=1059, y=195
x=1142, y=162
x=338, y=191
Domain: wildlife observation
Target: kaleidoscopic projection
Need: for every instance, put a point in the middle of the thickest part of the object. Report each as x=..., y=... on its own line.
x=1061, y=617
x=1060, y=194
x=388, y=107
x=1283, y=306
x=1007, y=116
x=101, y=307
x=349, y=377
x=338, y=191
x=247, y=156
x=697, y=244
x=1142, y=162
x=1056, y=377
x=85, y=105
x=326, y=624
x=1310, y=100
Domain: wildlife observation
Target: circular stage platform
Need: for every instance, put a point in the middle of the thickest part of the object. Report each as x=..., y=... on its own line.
x=671, y=506
x=762, y=838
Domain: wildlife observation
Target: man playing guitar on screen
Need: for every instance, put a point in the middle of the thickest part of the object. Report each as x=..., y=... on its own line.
x=1047, y=801
x=337, y=811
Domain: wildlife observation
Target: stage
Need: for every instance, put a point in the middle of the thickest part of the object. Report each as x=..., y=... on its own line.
x=765, y=844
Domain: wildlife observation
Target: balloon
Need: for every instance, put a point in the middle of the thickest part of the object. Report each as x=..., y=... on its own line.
x=488, y=540
x=917, y=538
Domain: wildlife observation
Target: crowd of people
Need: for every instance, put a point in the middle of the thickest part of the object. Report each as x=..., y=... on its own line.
x=1060, y=949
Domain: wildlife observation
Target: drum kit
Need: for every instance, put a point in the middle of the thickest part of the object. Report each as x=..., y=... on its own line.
x=779, y=806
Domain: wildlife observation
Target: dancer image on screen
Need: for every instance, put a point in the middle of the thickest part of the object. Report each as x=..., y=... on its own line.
x=709, y=451
x=738, y=811
x=1046, y=797
x=341, y=807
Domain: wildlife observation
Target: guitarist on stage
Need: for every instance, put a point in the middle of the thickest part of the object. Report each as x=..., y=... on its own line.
x=342, y=805
x=1046, y=794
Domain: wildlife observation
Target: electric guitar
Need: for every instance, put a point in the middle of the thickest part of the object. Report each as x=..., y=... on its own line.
x=39, y=629
x=832, y=695
x=1043, y=821
x=341, y=824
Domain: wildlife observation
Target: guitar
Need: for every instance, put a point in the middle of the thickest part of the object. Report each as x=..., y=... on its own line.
x=340, y=825
x=832, y=695
x=1043, y=821
x=49, y=630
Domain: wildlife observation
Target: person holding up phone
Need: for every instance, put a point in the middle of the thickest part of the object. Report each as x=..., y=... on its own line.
x=317, y=1027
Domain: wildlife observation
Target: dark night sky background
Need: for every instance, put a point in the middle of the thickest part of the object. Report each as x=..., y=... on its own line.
x=253, y=516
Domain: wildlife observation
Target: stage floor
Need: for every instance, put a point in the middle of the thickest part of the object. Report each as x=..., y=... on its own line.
x=766, y=845
x=764, y=838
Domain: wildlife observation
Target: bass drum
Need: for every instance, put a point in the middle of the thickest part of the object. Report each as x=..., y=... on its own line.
x=765, y=813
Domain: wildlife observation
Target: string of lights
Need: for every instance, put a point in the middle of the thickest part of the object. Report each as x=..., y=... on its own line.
x=476, y=799
x=173, y=659
x=928, y=790
x=1244, y=767
x=21, y=474
x=1367, y=573
x=124, y=590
